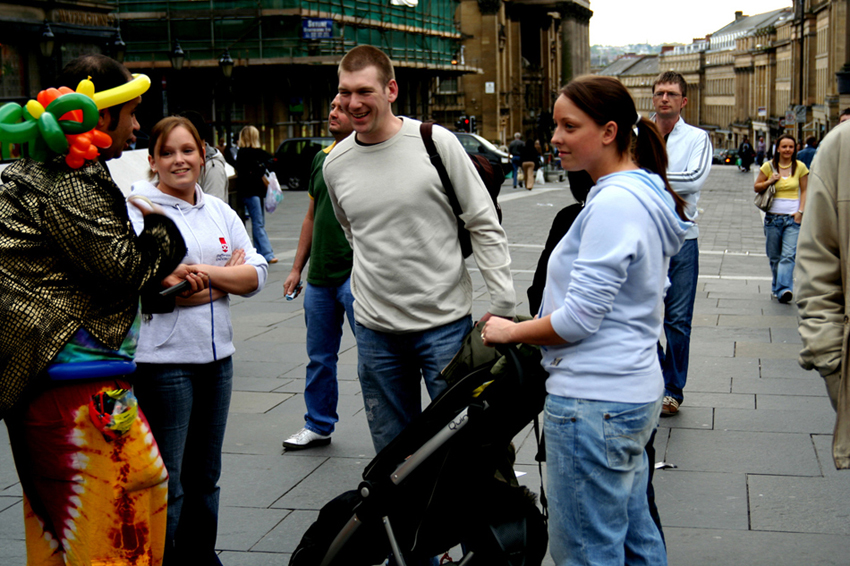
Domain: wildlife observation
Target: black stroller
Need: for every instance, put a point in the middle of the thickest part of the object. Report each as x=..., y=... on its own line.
x=447, y=479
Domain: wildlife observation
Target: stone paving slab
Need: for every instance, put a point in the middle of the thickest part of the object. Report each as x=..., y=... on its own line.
x=785, y=402
x=794, y=386
x=725, y=547
x=703, y=500
x=744, y=452
x=761, y=350
x=803, y=505
x=745, y=321
x=690, y=416
x=774, y=420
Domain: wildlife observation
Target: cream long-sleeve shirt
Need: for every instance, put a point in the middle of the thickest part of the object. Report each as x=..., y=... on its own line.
x=409, y=273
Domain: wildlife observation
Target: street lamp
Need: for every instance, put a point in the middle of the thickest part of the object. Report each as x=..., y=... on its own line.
x=119, y=48
x=225, y=63
x=177, y=56
x=48, y=40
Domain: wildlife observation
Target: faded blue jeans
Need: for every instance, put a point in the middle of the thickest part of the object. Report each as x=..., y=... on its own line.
x=325, y=309
x=678, y=316
x=186, y=406
x=780, y=232
x=597, y=478
x=254, y=206
x=391, y=368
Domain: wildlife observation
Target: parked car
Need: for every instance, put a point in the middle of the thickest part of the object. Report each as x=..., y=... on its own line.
x=293, y=159
x=730, y=157
x=718, y=156
x=476, y=145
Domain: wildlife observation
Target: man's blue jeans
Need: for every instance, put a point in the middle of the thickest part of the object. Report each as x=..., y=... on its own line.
x=254, y=206
x=597, y=477
x=678, y=316
x=780, y=232
x=324, y=312
x=516, y=163
x=391, y=367
x=186, y=406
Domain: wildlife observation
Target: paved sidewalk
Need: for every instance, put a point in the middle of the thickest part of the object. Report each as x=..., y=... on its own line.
x=754, y=482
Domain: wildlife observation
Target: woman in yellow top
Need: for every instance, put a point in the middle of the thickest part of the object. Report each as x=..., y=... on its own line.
x=782, y=222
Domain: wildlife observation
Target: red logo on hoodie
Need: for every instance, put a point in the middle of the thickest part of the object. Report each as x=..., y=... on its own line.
x=223, y=244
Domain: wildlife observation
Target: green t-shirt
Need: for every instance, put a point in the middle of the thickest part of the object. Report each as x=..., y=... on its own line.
x=330, y=254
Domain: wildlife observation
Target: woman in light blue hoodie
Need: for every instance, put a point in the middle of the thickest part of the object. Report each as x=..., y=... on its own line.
x=599, y=324
x=185, y=371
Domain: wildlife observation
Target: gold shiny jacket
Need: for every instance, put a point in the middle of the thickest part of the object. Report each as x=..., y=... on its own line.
x=69, y=258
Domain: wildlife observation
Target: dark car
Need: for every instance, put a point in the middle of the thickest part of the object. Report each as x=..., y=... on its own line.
x=730, y=157
x=718, y=156
x=476, y=145
x=293, y=159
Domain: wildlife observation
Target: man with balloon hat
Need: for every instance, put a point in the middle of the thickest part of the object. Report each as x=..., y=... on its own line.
x=72, y=269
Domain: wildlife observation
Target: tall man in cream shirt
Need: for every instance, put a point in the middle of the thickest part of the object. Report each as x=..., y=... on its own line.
x=412, y=291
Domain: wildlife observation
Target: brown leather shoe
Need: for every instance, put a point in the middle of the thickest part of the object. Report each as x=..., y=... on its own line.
x=273, y=260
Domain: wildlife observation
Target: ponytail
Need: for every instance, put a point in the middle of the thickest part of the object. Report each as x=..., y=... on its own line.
x=650, y=152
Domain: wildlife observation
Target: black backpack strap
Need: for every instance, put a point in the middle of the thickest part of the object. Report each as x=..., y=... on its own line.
x=437, y=161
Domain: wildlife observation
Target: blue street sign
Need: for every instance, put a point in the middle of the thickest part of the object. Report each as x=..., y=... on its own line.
x=317, y=28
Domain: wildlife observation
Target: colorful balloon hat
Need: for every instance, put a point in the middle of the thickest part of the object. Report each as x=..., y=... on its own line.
x=63, y=121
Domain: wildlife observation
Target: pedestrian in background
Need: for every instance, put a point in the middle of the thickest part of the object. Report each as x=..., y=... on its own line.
x=251, y=163
x=530, y=158
x=809, y=151
x=327, y=298
x=599, y=323
x=790, y=178
x=185, y=366
x=516, y=155
x=689, y=155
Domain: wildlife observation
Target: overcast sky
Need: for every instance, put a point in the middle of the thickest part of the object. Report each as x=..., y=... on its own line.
x=622, y=22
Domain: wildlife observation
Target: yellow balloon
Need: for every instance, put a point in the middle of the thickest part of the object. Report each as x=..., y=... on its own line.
x=124, y=93
x=35, y=109
x=86, y=87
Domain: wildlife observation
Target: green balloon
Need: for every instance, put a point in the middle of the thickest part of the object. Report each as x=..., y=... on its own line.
x=74, y=101
x=10, y=130
x=52, y=132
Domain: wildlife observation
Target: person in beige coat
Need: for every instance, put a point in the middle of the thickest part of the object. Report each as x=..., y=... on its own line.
x=822, y=276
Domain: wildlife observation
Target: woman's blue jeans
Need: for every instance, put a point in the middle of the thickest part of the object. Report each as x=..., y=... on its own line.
x=254, y=206
x=597, y=473
x=186, y=406
x=391, y=368
x=780, y=232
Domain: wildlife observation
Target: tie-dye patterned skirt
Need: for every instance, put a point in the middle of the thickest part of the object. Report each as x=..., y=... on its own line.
x=87, y=501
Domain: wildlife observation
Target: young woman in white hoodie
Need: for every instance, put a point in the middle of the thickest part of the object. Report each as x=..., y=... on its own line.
x=185, y=371
x=599, y=324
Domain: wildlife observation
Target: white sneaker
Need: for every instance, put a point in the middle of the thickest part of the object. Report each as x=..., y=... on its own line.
x=305, y=438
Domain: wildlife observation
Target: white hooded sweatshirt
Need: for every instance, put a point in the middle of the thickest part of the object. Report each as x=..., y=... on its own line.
x=212, y=230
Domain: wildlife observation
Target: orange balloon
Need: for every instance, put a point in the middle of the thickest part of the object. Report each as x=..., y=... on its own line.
x=100, y=139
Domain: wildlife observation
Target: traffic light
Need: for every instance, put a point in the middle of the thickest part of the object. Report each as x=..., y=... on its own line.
x=462, y=124
x=472, y=128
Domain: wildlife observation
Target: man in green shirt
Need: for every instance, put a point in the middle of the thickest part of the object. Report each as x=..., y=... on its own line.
x=327, y=297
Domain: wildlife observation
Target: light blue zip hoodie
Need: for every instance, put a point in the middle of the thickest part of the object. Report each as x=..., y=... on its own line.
x=605, y=288
x=212, y=230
